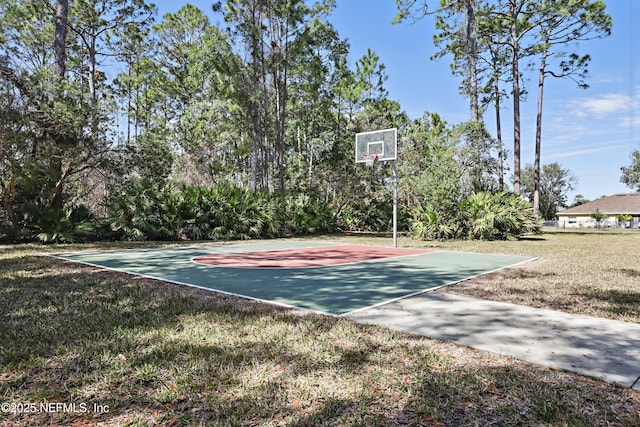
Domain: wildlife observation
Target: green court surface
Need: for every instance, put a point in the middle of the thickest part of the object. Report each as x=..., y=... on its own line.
x=333, y=289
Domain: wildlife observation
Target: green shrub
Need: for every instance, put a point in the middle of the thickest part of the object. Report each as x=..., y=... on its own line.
x=136, y=213
x=147, y=211
x=482, y=216
x=371, y=212
x=428, y=224
x=48, y=225
x=497, y=216
x=303, y=214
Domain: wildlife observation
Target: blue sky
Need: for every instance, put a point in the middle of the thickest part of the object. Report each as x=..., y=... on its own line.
x=590, y=132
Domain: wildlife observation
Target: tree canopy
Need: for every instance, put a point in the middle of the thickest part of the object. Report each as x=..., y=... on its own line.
x=122, y=124
x=631, y=173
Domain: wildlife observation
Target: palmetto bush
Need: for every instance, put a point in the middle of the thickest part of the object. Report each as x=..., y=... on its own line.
x=145, y=211
x=429, y=224
x=136, y=213
x=371, y=212
x=230, y=213
x=481, y=215
x=303, y=214
x=47, y=225
x=497, y=216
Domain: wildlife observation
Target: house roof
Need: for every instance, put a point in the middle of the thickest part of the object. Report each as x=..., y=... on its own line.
x=612, y=205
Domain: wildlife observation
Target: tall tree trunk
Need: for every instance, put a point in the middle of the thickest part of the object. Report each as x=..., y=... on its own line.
x=536, y=165
x=499, y=133
x=60, y=42
x=279, y=50
x=59, y=70
x=472, y=59
x=515, y=75
x=255, y=147
x=280, y=94
x=255, y=34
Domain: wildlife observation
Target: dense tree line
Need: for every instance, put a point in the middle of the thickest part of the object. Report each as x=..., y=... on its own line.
x=489, y=39
x=120, y=124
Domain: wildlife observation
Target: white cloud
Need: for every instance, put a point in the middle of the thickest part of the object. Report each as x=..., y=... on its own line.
x=606, y=79
x=604, y=105
x=630, y=121
x=584, y=151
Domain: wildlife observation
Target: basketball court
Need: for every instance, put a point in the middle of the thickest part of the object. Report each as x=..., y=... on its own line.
x=330, y=278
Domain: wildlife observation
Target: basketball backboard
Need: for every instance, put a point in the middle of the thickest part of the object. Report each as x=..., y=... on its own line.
x=382, y=143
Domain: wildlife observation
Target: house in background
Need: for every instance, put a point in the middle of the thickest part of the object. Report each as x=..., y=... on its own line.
x=618, y=204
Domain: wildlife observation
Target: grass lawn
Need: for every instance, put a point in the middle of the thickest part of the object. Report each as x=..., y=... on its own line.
x=82, y=346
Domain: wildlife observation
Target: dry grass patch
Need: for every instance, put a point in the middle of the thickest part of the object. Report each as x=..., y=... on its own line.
x=593, y=274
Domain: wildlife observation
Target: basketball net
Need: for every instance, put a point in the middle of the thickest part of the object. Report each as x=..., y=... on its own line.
x=370, y=159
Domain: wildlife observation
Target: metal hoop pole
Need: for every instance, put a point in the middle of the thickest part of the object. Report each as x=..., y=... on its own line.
x=395, y=205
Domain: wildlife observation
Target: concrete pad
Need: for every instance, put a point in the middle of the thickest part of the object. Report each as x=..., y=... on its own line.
x=605, y=349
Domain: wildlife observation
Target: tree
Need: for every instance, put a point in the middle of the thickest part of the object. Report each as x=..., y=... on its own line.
x=48, y=109
x=555, y=183
x=458, y=34
x=631, y=174
x=59, y=69
x=562, y=24
x=441, y=167
x=495, y=67
x=132, y=48
x=60, y=43
x=623, y=219
x=187, y=101
x=457, y=38
x=578, y=200
x=247, y=33
x=322, y=105
x=95, y=27
x=430, y=175
x=518, y=27
x=54, y=110
x=598, y=217
x=272, y=36
x=507, y=24
x=475, y=152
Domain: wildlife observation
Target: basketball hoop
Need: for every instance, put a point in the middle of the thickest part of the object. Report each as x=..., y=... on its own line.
x=381, y=146
x=370, y=159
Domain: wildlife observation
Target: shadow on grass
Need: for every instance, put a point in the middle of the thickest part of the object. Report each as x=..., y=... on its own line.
x=534, y=238
x=487, y=396
x=162, y=354
x=520, y=273
x=629, y=272
x=620, y=303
